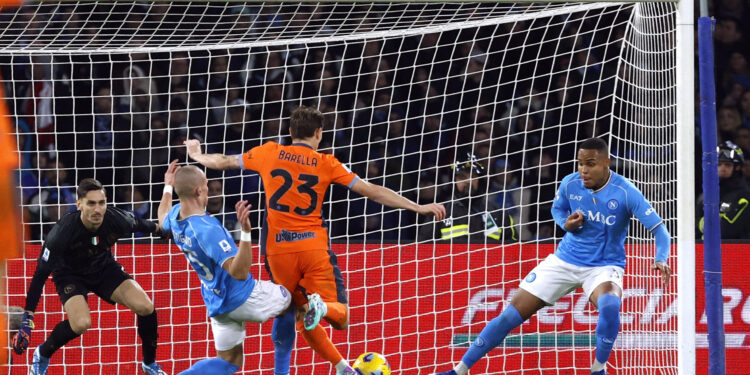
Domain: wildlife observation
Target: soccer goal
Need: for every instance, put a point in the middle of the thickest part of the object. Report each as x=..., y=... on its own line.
x=410, y=91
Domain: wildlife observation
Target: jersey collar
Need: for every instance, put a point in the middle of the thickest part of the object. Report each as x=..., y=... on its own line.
x=302, y=144
x=609, y=178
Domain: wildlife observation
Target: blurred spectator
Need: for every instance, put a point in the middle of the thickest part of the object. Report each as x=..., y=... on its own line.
x=727, y=122
x=215, y=207
x=729, y=38
x=134, y=201
x=742, y=139
x=53, y=198
x=734, y=194
x=745, y=108
x=470, y=216
x=541, y=183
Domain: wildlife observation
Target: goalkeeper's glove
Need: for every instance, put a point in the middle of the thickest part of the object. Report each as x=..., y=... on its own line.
x=21, y=339
x=161, y=233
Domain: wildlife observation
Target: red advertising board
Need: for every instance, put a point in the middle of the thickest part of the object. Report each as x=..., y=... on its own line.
x=420, y=305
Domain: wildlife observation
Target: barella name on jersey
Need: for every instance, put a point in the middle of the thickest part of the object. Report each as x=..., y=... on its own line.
x=299, y=159
x=288, y=236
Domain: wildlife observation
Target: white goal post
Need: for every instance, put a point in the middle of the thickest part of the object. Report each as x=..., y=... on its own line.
x=112, y=89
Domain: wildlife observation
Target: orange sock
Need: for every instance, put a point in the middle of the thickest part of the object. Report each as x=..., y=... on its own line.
x=320, y=343
x=337, y=312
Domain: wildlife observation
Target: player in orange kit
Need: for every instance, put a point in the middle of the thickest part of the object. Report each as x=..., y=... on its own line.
x=295, y=179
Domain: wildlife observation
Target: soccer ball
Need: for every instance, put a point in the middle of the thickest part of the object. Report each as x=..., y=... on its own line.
x=372, y=364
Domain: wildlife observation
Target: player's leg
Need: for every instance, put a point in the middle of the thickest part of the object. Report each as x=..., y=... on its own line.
x=79, y=320
x=229, y=335
x=522, y=306
x=321, y=276
x=72, y=294
x=605, y=292
x=544, y=285
x=121, y=289
x=269, y=300
x=286, y=273
x=283, y=334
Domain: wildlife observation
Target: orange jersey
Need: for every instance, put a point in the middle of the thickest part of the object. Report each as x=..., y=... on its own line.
x=295, y=179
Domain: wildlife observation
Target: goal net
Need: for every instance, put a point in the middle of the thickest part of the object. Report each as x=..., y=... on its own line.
x=411, y=92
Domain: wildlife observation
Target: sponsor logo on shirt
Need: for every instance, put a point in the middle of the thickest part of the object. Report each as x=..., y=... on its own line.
x=649, y=211
x=574, y=197
x=45, y=255
x=287, y=236
x=600, y=218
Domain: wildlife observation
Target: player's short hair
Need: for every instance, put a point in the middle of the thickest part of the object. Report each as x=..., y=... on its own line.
x=86, y=185
x=597, y=144
x=186, y=180
x=304, y=121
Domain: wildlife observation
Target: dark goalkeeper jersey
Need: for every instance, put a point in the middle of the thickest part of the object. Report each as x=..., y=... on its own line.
x=70, y=248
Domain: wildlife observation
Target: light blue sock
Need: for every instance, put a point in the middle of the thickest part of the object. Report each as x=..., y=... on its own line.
x=211, y=366
x=283, y=334
x=492, y=335
x=608, y=325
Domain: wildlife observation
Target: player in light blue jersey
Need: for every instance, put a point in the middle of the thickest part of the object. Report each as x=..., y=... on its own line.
x=231, y=294
x=594, y=207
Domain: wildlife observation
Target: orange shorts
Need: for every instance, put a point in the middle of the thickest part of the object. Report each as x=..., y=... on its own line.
x=307, y=272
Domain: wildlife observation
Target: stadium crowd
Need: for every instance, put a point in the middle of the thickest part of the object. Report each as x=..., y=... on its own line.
x=400, y=112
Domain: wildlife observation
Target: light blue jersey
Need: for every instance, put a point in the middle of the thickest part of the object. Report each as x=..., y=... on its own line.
x=607, y=212
x=207, y=245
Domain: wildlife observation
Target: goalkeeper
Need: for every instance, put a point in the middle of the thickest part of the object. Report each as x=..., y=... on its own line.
x=295, y=179
x=231, y=294
x=77, y=253
x=469, y=216
x=594, y=206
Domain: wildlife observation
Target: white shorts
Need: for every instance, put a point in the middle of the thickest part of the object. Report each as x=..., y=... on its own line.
x=266, y=301
x=553, y=278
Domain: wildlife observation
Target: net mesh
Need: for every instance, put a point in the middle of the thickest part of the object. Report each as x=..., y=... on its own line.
x=410, y=92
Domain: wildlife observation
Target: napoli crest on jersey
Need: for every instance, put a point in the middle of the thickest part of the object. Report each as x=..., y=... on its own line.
x=531, y=277
x=613, y=204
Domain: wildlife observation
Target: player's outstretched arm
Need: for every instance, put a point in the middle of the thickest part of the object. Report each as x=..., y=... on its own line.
x=213, y=161
x=390, y=198
x=239, y=265
x=166, y=198
x=663, y=244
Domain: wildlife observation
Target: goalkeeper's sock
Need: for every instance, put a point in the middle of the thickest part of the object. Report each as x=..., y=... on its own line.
x=337, y=312
x=214, y=366
x=283, y=334
x=320, y=343
x=492, y=335
x=147, y=330
x=61, y=335
x=608, y=325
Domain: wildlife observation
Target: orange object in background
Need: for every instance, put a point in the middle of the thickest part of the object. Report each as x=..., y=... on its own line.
x=9, y=219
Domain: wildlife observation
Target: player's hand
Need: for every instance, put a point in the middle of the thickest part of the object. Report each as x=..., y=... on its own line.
x=432, y=209
x=574, y=221
x=170, y=173
x=161, y=233
x=666, y=272
x=193, y=147
x=21, y=339
x=243, y=215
